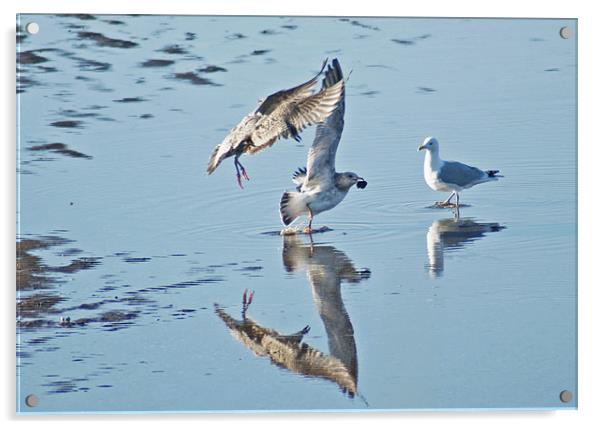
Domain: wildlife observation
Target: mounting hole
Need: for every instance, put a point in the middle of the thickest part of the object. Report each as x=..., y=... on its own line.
x=32, y=401
x=32, y=28
x=565, y=32
x=566, y=396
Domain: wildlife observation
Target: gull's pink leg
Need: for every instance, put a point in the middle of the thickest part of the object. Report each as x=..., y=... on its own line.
x=242, y=170
x=238, y=173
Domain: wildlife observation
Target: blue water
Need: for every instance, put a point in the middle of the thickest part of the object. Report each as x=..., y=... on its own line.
x=418, y=309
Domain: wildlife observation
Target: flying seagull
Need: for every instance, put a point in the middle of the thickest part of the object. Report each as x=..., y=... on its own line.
x=283, y=114
x=319, y=186
x=450, y=176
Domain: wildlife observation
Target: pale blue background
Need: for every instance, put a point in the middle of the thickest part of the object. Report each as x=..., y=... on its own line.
x=497, y=328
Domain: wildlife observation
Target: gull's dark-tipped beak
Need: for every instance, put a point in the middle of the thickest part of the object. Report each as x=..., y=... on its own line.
x=420, y=148
x=361, y=183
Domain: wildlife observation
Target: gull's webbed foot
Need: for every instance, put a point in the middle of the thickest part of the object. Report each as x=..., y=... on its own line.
x=444, y=205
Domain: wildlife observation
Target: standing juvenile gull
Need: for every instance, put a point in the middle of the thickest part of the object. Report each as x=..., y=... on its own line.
x=450, y=176
x=283, y=114
x=319, y=186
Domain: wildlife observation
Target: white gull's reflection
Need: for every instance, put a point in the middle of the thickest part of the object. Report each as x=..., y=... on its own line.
x=452, y=234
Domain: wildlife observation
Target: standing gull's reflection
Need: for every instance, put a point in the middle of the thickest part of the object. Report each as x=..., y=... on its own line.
x=326, y=267
x=450, y=234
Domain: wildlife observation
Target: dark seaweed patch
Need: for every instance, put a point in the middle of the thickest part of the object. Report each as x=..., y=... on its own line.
x=130, y=100
x=24, y=82
x=117, y=316
x=406, y=42
x=35, y=304
x=369, y=93
x=31, y=273
x=289, y=27
x=157, y=63
x=136, y=260
x=114, y=22
x=76, y=265
x=268, y=32
x=193, y=78
x=62, y=386
x=102, y=40
x=67, y=124
x=21, y=35
x=75, y=114
x=211, y=69
x=260, y=51
x=146, y=116
x=173, y=49
x=30, y=57
x=426, y=89
x=359, y=24
x=82, y=16
x=190, y=36
x=47, y=69
x=91, y=65
x=251, y=268
x=62, y=149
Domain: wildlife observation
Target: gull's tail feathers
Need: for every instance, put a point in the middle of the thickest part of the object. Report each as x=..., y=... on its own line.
x=291, y=207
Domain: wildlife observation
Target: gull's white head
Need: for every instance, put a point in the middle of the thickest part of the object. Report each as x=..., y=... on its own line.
x=346, y=180
x=430, y=143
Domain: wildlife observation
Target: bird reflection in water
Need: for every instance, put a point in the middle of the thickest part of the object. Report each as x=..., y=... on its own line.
x=446, y=235
x=326, y=268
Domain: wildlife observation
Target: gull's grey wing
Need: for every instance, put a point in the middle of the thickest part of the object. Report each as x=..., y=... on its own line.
x=290, y=118
x=460, y=174
x=321, y=157
x=292, y=95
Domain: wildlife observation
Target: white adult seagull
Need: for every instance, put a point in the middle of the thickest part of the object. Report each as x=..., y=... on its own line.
x=283, y=114
x=450, y=176
x=319, y=186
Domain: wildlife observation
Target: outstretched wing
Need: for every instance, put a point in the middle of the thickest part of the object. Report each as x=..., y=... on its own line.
x=460, y=174
x=292, y=95
x=321, y=157
x=292, y=117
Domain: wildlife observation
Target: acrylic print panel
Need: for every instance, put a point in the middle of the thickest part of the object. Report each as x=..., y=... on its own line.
x=147, y=285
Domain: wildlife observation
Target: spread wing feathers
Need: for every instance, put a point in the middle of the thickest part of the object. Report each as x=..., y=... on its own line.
x=288, y=120
x=321, y=158
x=292, y=95
x=299, y=177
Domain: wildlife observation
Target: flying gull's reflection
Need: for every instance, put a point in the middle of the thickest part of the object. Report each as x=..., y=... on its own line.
x=326, y=267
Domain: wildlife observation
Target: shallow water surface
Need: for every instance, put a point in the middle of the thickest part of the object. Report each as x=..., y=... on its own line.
x=132, y=262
